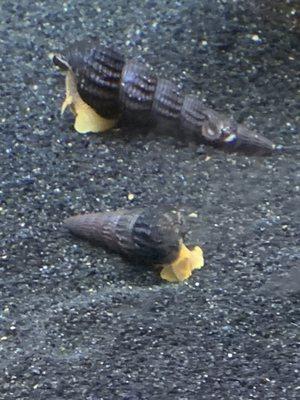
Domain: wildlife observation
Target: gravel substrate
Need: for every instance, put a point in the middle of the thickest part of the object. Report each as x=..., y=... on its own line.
x=80, y=323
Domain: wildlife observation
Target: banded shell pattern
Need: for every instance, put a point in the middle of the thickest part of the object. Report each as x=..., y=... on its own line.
x=144, y=235
x=127, y=92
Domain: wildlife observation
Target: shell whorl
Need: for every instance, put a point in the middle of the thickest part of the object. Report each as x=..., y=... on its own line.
x=128, y=90
x=141, y=234
x=98, y=73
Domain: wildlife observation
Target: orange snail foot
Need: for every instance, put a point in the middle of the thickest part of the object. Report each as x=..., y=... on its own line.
x=181, y=269
x=86, y=119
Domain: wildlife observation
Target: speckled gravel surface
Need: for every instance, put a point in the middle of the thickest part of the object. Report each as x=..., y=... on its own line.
x=80, y=323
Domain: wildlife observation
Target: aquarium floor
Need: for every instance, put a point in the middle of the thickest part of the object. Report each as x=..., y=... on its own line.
x=80, y=323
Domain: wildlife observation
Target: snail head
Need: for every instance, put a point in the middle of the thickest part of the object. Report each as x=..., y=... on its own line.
x=219, y=128
x=226, y=133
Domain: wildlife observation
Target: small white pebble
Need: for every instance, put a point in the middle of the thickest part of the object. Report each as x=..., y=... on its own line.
x=130, y=196
x=256, y=38
x=193, y=215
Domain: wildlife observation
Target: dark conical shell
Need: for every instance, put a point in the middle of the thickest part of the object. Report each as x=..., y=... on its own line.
x=137, y=90
x=129, y=91
x=98, y=72
x=192, y=113
x=168, y=100
x=166, y=108
x=193, y=118
x=141, y=234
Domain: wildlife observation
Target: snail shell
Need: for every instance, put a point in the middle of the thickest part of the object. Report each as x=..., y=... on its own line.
x=101, y=82
x=143, y=235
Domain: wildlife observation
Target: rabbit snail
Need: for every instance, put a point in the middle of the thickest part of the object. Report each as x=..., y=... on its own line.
x=144, y=235
x=104, y=90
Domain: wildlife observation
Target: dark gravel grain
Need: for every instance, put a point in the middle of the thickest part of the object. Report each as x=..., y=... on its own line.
x=80, y=323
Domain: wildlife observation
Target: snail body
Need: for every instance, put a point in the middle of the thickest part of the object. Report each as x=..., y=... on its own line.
x=104, y=90
x=143, y=235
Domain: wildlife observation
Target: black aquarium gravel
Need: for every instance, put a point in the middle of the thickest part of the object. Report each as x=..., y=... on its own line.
x=80, y=323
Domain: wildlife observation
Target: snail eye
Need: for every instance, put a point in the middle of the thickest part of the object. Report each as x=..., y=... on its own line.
x=228, y=135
